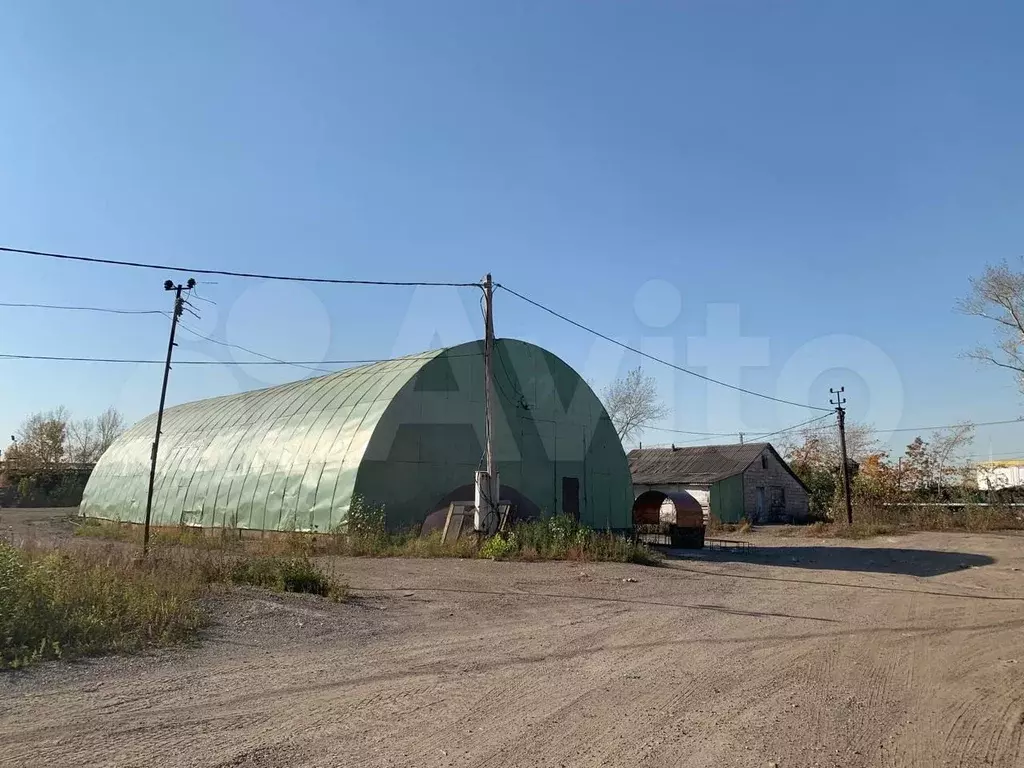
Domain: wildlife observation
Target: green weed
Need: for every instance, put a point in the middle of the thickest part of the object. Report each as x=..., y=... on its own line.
x=500, y=546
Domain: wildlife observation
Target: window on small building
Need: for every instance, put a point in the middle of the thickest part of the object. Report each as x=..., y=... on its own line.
x=764, y=461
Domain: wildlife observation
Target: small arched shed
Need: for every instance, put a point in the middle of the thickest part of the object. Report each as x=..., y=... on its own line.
x=676, y=513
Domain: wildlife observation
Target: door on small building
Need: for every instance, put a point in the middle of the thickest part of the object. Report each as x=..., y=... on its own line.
x=759, y=504
x=777, y=503
x=571, y=497
x=727, y=500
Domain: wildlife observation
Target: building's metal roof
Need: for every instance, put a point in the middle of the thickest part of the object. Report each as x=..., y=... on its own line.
x=696, y=464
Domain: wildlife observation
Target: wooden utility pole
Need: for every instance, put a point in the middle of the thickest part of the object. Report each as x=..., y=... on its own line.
x=841, y=418
x=491, y=502
x=179, y=304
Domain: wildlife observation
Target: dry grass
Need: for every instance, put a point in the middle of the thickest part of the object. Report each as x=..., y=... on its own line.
x=97, y=594
x=717, y=526
x=835, y=530
x=553, y=538
x=92, y=598
x=384, y=544
x=886, y=520
x=186, y=536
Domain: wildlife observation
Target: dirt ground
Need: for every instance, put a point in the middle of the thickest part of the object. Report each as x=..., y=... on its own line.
x=888, y=652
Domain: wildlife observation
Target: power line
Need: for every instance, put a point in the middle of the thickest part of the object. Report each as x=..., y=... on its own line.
x=56, y=358
x=208, y=363
x=250, y=351
x=86, y=309
x=794, y=427
x=658, y=359
x=1018, y=420
x=228, y=273
x=687, y=432
x=181, y=362
x=730, y=434
x=1004, y=454
x=756, y=436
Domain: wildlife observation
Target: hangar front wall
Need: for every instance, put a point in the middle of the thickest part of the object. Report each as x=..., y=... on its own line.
x=549, y=425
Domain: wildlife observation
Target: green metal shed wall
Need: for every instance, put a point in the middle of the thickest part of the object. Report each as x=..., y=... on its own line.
x=727, y=499
x=404, y=434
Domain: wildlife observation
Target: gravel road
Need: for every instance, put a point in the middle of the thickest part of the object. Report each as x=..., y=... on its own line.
x=889, y=652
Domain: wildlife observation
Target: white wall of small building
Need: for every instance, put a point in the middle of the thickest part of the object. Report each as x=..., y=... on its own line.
x=1008, y=476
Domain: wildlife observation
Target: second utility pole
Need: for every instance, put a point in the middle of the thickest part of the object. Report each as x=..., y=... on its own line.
x=493, y=488
x=179, y=304
x=841, y=418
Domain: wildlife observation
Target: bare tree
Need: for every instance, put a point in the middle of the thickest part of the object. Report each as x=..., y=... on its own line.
x=81, y=440
x=87, y=439
x=998, y=295
x=817, y=445
x=947, y=445
x=938, y=461
x=109, y=426
x=632, y=402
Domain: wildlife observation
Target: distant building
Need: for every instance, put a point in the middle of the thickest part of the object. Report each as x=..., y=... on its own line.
x=993, y=475
x=731, y=482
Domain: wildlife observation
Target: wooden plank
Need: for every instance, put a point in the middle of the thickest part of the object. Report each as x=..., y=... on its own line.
x=447, y=522
x=455, y=521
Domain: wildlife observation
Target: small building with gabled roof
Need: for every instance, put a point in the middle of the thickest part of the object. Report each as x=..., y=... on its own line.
x=732, y=482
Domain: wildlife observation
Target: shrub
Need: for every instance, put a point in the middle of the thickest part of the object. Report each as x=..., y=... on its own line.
x=563, y=538
x=365, y=518
x=499, y=546
x=286, y=574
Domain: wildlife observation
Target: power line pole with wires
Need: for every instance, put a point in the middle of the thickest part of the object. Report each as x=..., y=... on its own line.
x=488, y=486
x=841, y=418
x=179, y=306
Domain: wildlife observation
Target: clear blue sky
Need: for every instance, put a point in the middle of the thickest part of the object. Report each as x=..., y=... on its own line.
x=804, y=170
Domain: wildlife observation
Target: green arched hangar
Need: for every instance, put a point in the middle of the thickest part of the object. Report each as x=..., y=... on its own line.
x=407, y=434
